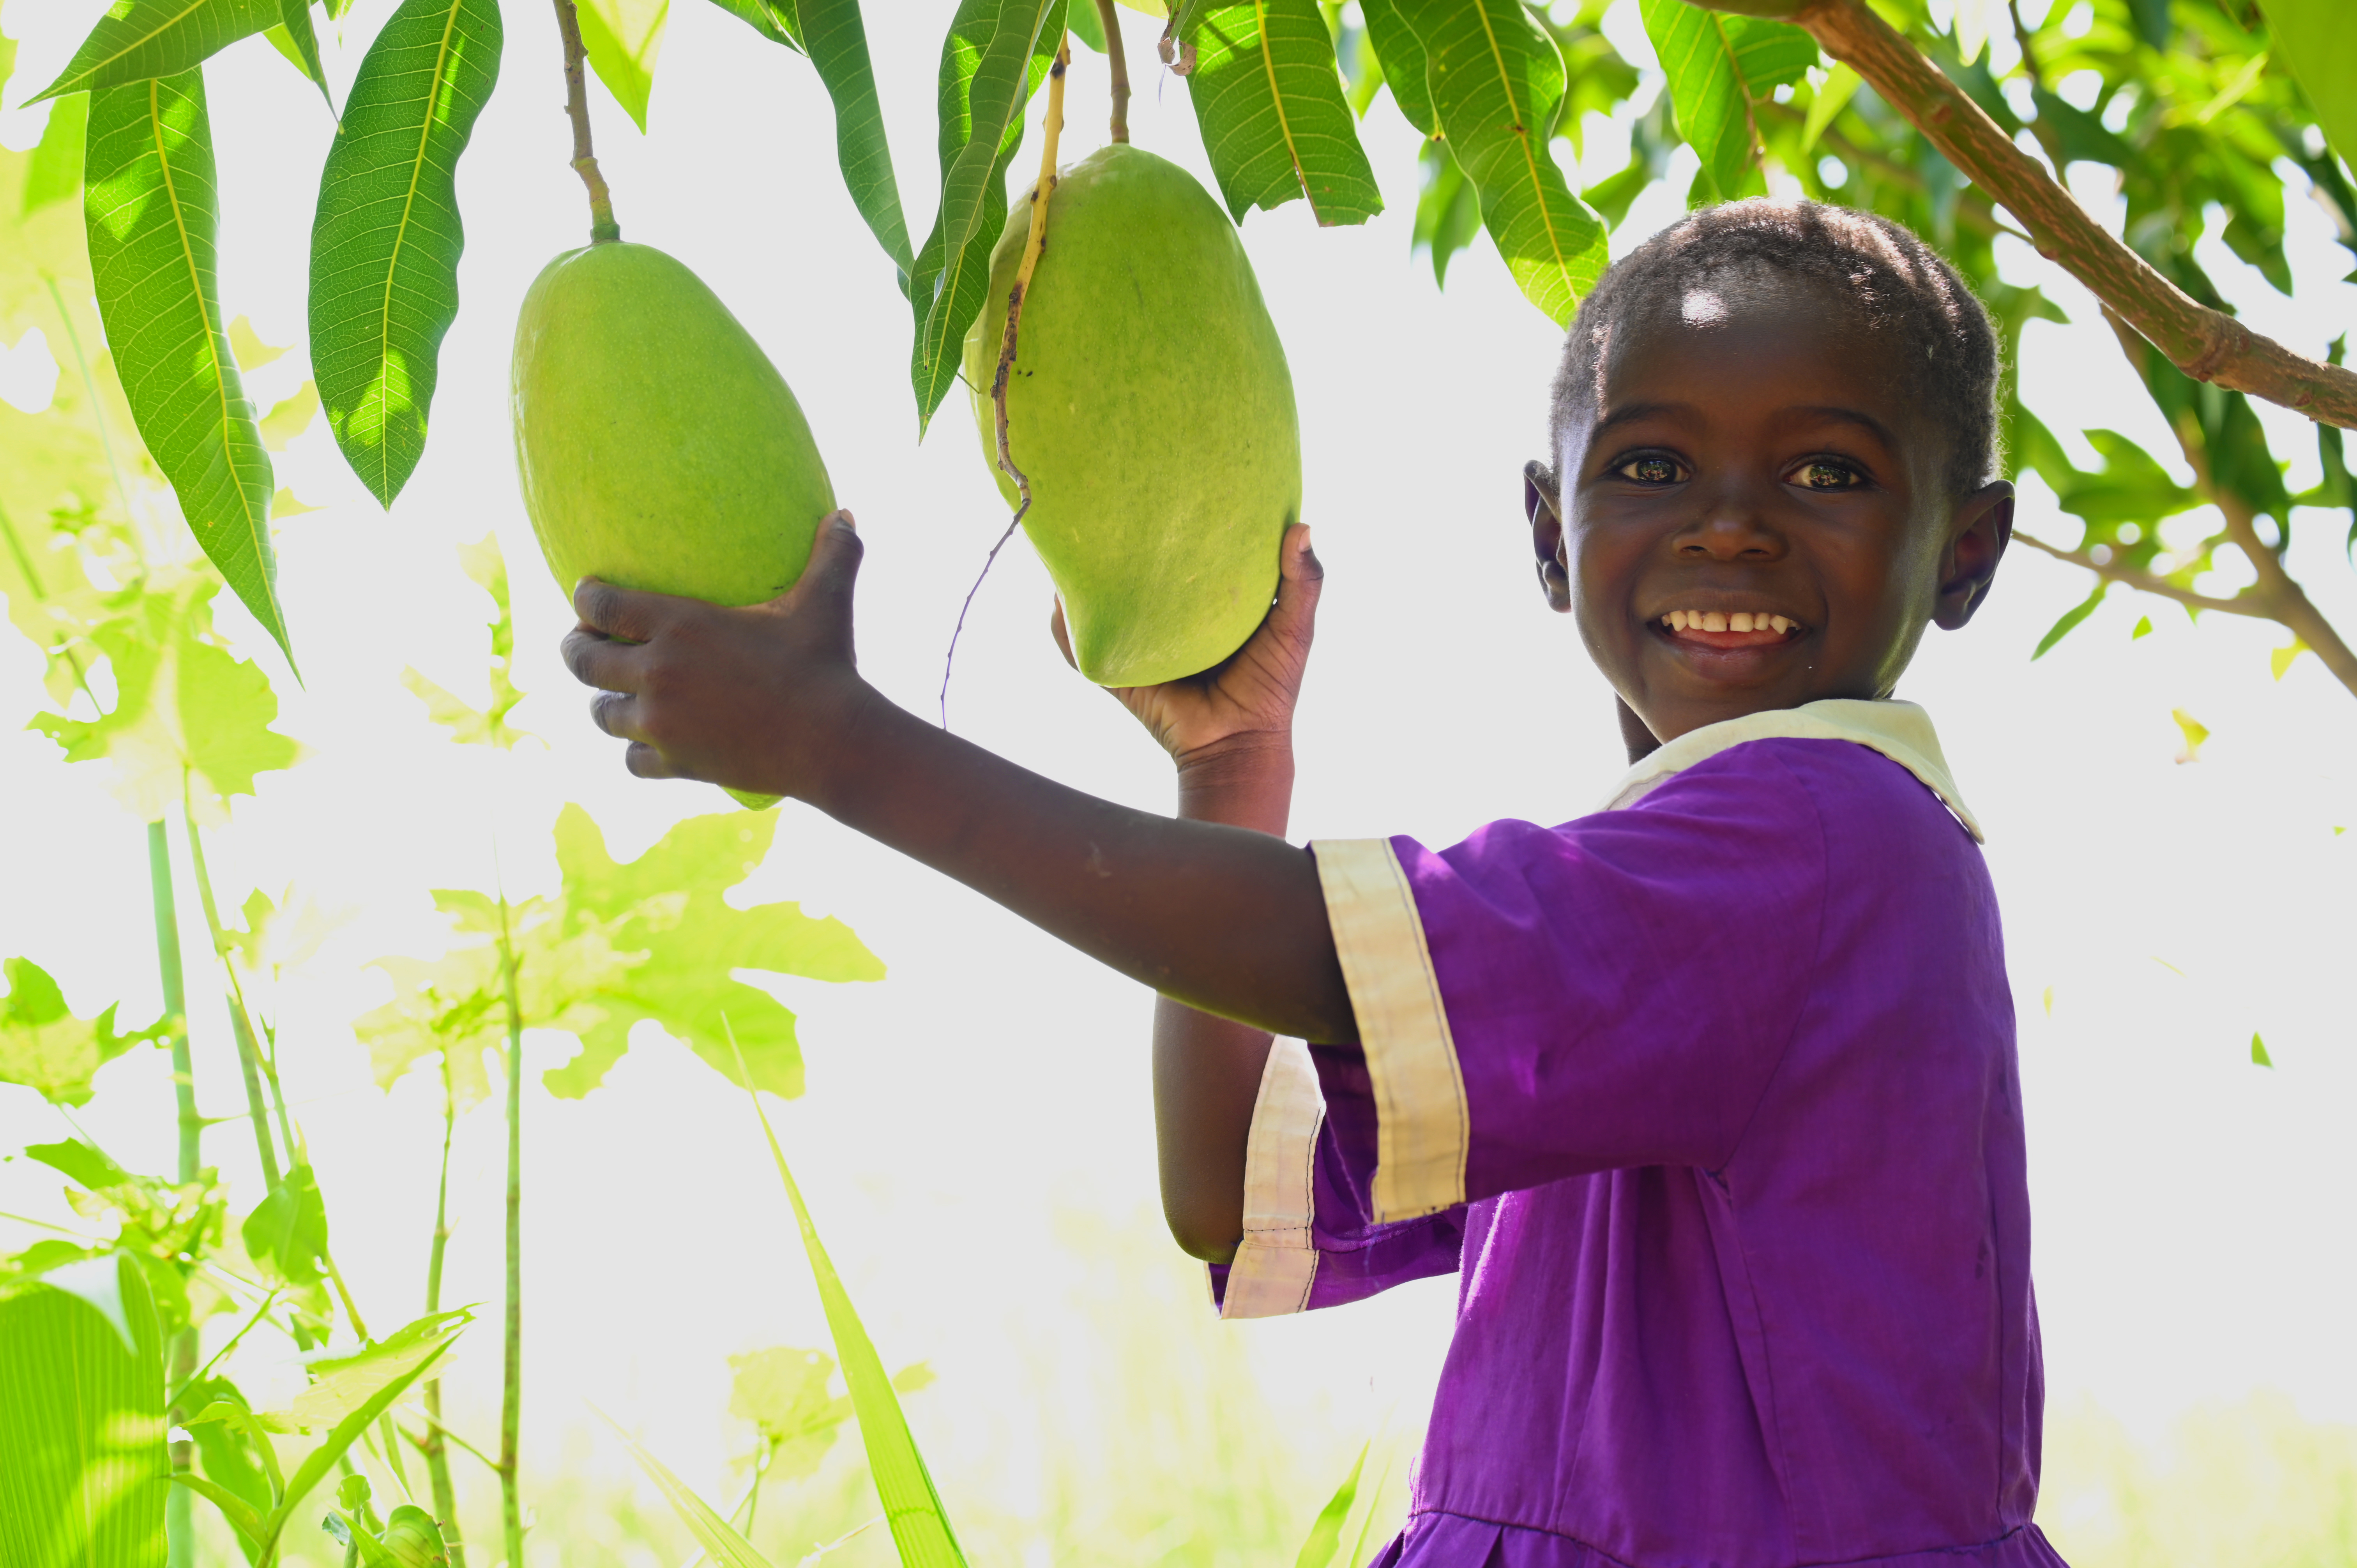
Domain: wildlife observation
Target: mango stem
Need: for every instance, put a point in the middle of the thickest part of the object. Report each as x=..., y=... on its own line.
x=603, y=229
x=1110, y=22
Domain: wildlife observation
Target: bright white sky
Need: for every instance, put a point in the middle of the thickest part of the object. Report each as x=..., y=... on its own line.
x=2197, y=1230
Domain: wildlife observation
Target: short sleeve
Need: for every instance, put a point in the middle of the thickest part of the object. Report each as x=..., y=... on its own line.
x=1541, y=1003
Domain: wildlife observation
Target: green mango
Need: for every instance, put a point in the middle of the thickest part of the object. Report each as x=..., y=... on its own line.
x=1150, y=408
x=658, y=447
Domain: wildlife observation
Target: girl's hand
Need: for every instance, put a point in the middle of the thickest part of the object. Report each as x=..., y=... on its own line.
x=1244, y=702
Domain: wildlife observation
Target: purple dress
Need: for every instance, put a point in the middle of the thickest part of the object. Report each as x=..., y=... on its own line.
x=1710, y=1099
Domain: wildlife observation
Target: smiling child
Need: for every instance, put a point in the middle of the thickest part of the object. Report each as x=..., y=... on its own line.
x=1710, y=1095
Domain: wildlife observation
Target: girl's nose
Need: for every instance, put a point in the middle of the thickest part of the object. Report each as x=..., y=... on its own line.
x=1733, y=527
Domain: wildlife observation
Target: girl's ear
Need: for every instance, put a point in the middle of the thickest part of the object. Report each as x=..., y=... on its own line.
x=1542, y=507
x=1983, y=528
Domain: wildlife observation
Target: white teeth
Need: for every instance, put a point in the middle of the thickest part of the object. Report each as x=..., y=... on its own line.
x=1739, y=621
x=1779, y=625
x=1713, y=620
x=1675, y=620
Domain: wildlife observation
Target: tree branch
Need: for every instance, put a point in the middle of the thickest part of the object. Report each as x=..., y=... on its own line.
x=2208, y=345
x=602, y=227
x=2145, y=583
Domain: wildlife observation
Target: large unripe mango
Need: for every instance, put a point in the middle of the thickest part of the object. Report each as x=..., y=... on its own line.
x=658, y=446
x=1150, y=408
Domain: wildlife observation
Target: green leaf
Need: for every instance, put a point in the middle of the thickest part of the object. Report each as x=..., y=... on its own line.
x=187, y=716
x=2316, y=40
x=85, y=1163
x=2259, y=1056
x=227, y=1453
x=242, y=1516
x=50, y=1051
x=622, y=40
x=83, y=1465
x=1497, y=81
x=1402, y=56
x=783, y=1392
x=386, y=243
x=720, y=1542
x=488, y=569
x=1719, y=65
x=838, y=41
x=149, y=204
x=775, y=22
x=287, y=1234
x=346, y=1385
x=1840, y=86
x=1449, y=213
x=1326, y=1533
x=56, y=171
x=921, y=1526
x=2070, y=621
x=294, y=25
x=1269, y=101
x=981, y=97
x=137, y=40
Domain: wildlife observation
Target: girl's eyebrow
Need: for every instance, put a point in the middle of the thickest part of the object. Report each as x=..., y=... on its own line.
x=1635, y=412
x=1840, y=415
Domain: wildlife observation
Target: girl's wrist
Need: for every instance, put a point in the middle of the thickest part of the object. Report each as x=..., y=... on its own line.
x=1244, y=780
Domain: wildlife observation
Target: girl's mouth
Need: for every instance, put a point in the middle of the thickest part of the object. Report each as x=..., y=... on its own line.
x=1728, y=628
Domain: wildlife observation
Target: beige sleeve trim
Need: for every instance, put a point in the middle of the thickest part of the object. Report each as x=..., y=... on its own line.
x=1422, y=1125
x=1273, y=1269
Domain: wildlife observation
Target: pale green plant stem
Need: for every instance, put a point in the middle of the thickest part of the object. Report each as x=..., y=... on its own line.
x=249, y=1059
x=179, y=1504
x=435, y=1446
x=97, y=415
x=511, y=1358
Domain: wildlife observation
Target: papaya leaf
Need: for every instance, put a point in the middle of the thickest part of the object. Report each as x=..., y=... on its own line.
x=86, y=1165
x=1497, y=82
x=912, y=1506
x=386, y=238
x=623, y=39
x=1401, y=54
x=837, y=40
x=81, y=1449
x=286, y=1234
x=981, y=127
x=1275, y=123
x=45, y=1048
x=2070, y=621
x=1719, y=65
x=149, y=204
x=487, y=725
x=141, y=39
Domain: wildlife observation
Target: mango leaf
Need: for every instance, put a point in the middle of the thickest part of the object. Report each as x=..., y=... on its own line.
x=137, y=40
x=386, y=238
x=623, y=39
x=668, y=905
x=2070, y=619
x=189, y=717
x=715, y=1535
x=81, y=1449
x=995, y=54
x=1401, y=54
x=921, y=1526
x=294, y=26
x=149, y=203
x=773, y=19
x=2316, y=40
x=838, y=41
x=45, y=1048
x=1269, y=101
x=1449, y=213
x=286, y=1234
x=1497, y=82
x=1719, y=65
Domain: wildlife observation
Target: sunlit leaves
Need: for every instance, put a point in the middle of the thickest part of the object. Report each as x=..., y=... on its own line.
x=45, y=1048
x=486, y=725
x=1721, y=65
x=140, y=39
x=82, y=1465
x=159, y=1223
x=1401, y=55
x=718, y=1539
x=149, y=205
x=1497, y=83
x=996, y=53
x=838, y=41
x=2316, y=40
x=1269, y=101
x=386, y=240
x=623, y=39
x=286, y=1234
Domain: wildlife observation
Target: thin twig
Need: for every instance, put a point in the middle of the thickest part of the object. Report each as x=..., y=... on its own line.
x=2145, y=583
x=1110, y=20
x=602, y=227
x=1037, y=241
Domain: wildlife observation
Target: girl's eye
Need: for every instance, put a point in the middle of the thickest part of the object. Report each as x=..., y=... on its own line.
x=1824, y=474
x=1652, y=470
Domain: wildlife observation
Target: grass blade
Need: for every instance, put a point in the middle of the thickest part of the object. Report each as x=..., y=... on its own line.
x=1326, y=1534
x=921, y=1526
x=149, y=202
x=147, y=38
x=1718, y=65
x=838, y=41
x=981, y=126
x=719, y=1541
x=1269, y=100
x=386, y=240
x=1497, y=83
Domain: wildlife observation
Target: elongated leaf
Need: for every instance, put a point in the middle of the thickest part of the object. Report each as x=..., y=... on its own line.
x=838, y=41
x=82, y=1468
x=295, y=21
x=1402, y=55
x=437, y=1331
x=149, y=202
x=622, y=40
x=147, y=38
x=1326, y=1532
x=1497, y=83
x=1719, y=65
x=719, y=1539
x=2070, y=619
x=1275, y=123
x=773, y=19
x=921, y=1526
x=2316, y=40
x=386, y=243
x=981, y=127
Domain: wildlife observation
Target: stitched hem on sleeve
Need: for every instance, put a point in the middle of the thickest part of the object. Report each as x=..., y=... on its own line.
x=1277, y=1262
x=1422, y=1124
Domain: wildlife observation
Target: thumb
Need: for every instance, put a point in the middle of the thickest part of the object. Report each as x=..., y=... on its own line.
x=834, y=565
x=1301, y=578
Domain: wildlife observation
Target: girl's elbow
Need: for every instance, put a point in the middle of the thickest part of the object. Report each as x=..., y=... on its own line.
x=1214, y=1238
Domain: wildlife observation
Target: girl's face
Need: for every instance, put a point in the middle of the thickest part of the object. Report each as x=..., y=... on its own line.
x=1756, y=516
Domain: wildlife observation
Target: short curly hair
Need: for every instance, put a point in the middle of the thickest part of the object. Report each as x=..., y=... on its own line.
x=1897, y=285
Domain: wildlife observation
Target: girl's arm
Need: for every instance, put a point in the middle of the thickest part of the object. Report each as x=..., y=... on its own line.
x=769, y=698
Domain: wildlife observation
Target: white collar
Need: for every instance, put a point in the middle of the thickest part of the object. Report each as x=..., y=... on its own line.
x=1901, y=731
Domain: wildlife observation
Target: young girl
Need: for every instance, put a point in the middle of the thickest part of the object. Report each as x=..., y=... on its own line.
x=1709, y=1096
